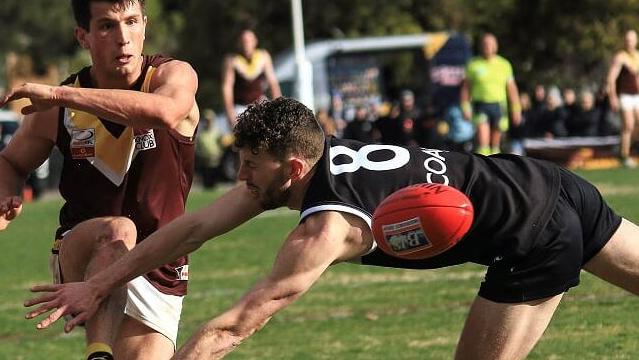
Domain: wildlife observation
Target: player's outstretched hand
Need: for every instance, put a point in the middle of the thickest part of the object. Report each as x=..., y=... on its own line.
x=42, y=97
x=79, y=299
x=10, y=208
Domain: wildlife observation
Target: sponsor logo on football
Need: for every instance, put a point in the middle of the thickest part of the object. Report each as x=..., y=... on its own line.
x=182, y=272
x=83, y=143
x=145, y=141
x=406, y=236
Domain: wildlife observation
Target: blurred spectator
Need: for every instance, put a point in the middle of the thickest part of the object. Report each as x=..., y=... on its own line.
x=585, y=121
x=337, y=113
x=570, y=103
x=460, y=131
x=623, y=92
x=517, y=133
x=326, y=122
x=360, y=128
x=537, y=104
x=429, y=130
x=208, y=149
x=397, y=127
x=490, y=84
x=539, y=98
x=552, y=122
x=245, y=76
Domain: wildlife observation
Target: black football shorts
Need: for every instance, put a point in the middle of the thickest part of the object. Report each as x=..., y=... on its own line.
x=580, y=225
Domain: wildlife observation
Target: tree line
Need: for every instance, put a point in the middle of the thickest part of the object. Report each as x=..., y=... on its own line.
x=568, y=43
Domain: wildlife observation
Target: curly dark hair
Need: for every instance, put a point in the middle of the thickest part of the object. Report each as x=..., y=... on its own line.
x=82, y=9
x=280, y=127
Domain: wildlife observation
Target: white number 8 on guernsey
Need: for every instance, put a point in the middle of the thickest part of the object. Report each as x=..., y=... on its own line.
x=360, y=159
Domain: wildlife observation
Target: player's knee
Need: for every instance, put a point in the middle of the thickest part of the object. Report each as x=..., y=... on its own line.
x=118, y=231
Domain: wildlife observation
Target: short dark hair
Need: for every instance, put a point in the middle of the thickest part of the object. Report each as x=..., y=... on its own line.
x=280, y=127
x=82, y=9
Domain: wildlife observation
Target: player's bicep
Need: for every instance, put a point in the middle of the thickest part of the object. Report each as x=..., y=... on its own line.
x=269, y=71
x=228, y=74
x=615, y=68
x=308, y=251
x=178, y=81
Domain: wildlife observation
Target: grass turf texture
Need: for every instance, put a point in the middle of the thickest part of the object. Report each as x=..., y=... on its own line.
x=353, y=312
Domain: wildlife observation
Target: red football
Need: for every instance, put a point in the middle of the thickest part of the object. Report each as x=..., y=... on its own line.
x=421, y=221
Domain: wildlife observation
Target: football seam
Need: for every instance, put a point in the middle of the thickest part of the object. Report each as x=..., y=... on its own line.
x=422, y=206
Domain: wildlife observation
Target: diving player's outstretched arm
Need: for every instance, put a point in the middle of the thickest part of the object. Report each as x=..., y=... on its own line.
x=182, y=236
x=324, y=239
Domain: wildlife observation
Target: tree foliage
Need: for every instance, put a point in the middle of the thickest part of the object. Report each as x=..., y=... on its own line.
x=567, y=43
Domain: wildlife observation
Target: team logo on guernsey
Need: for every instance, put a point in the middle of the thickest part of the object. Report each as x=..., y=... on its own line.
x=406, y=237
x=83, y=143
x=182, y=272
x=145, y=140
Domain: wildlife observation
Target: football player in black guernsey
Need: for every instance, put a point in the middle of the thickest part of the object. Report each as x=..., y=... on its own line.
x=535, y=227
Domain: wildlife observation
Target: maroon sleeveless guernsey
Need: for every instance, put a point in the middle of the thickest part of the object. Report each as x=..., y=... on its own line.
x=249, y=77
x=628, y=79
x=115, y=170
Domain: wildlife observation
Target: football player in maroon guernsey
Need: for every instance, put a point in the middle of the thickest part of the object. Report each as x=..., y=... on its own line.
x=125, y=128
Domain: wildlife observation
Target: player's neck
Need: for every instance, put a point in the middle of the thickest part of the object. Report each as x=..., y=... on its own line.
x=298, y=190
x=248, y=54
x=104, y=80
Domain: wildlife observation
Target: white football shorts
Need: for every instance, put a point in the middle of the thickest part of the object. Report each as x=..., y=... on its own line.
x=629, y=101
x=145, y=303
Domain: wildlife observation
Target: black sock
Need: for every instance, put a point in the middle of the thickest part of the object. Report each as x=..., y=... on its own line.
x=100, y=355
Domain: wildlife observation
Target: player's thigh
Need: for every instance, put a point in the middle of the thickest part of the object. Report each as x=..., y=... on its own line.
x=635, y=114
x=137, y=341
x=495, y=331
x=627, y=119
x=79, y=245
x=618, y=261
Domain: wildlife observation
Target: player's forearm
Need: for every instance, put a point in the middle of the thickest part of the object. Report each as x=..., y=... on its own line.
x=209, y=343
x=464, y=92
x=126, y=107
x=227, y=95
x=275, y=89
x=174, y=240
x=219, y=336
x=513, y=97
x=12, y=180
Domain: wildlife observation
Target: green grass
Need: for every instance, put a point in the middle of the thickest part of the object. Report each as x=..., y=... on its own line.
x=354, y=312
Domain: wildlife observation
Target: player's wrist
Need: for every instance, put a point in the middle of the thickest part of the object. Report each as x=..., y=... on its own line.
x=99, y=288
x=58, y=94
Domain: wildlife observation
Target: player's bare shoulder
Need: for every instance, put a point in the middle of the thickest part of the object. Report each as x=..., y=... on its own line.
x=348, y=231
x=178, y=72
x=179, y=80
x=620, y=58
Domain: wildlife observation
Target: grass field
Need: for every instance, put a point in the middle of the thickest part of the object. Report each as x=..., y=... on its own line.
x=354, y=312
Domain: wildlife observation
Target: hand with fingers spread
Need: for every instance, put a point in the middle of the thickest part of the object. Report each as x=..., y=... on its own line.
x=42, y=97
x=80, y=299
x=10, y=208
